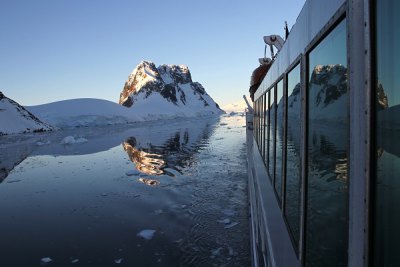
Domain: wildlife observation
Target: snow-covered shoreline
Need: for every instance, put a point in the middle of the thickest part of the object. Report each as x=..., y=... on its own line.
x=89, y=112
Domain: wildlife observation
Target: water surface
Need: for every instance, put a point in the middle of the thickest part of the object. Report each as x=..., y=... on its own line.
x=86, y=204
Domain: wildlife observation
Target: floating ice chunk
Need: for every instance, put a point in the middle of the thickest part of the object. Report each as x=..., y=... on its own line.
x=118, y=261
x=228, y=212
x=231, y=225
x=46, y=260
x=132, y=172
x=75, y=261
x=69, y=140
x=230, y=249
x=40, y=143
x=225, y=221
x=146, y=234
x=216, y=252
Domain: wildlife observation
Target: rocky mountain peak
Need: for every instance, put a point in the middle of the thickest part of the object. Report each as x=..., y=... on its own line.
x=173, y=83
x=331, y=81
x=178, y=73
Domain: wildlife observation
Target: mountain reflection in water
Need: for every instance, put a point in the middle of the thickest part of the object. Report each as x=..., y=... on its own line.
x=149, y=163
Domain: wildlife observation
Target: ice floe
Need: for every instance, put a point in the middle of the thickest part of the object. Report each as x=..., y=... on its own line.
x=43, y=143
x=231, y=225
x=147, y=234
x=69, y=140
x=224, y=221
x=46, y=260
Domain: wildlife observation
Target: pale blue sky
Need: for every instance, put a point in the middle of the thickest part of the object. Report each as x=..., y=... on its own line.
x=53, y=50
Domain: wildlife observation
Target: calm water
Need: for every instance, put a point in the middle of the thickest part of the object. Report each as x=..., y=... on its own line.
x=86, y=204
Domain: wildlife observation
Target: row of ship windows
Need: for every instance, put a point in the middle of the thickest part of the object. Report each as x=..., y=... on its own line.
x=278, y=131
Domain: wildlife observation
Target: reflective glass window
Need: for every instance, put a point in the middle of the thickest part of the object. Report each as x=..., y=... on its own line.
x=327, y=149
x=387, y=150
x=293, y=163
x=272, y=120
x=266, y=137
x=262, y=125
x=279, y=139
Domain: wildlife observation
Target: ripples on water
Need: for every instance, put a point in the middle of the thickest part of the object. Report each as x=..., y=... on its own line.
x=157, y=194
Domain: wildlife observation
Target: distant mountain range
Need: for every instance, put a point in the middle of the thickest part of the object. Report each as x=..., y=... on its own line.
x=150, y=93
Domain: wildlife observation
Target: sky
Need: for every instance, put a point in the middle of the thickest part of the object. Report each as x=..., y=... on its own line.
x=56, y=50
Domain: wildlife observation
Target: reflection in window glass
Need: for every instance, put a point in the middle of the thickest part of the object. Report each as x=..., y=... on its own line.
x=387, y=95
x=279, y=140
x=293, y=185
x=259, y=122
x=266, y=130
x=272, y=120
x=262, y=125
x=327, y=141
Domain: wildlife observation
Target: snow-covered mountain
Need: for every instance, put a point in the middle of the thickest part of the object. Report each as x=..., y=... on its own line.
x=165, y=90
x=327, y=94
x=151, y=93
x=15, y=118
x=84, y=112
x=238, y=106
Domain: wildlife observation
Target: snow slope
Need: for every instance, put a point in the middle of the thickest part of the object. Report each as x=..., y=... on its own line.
x=16, y=119
x=84, y=112
x=87, y=112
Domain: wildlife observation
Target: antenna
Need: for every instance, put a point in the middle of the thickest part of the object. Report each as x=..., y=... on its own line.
x=286, y=31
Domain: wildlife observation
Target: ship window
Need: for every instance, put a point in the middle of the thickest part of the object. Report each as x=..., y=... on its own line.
x=259, y=123
x=387, y=149
x=255, y=120
x=293, y=163
x=266, y=137
x=279, y=140
x=272, y=120
x=263, y=126
x=327, y=150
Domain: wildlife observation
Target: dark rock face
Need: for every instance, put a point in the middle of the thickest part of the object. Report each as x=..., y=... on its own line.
x=169, y=92
x=180, y=74
x=333, y=82
x=382, y=102
x=172, y=82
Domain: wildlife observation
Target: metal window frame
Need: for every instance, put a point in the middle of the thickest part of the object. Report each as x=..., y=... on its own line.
x=280, y=79
x=361, y=56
